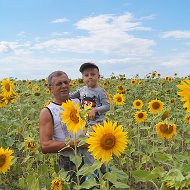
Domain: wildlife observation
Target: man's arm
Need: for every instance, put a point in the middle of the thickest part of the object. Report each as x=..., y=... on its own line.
x=47, y=144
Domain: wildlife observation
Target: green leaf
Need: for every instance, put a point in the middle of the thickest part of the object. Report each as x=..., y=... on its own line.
x=86, y=170
x=163, y=157
x=140, y=175
x=91, y=182
x=76, y=159
x=121, y=185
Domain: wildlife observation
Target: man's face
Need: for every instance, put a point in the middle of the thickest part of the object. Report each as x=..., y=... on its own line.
x=90, y=77
x=60, y=88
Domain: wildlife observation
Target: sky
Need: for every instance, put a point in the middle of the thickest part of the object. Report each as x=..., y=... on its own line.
x=127, y=37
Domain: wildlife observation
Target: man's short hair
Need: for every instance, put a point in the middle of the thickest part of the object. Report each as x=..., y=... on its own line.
x=55, y=74
x=87, y=66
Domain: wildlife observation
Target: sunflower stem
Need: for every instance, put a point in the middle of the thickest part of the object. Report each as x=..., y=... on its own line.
x=75, y=151
x=138, y=144
x=100, y=178
x=107, y=170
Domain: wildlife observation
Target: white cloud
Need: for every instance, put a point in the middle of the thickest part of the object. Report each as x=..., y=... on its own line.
x=150, y=17
x=15, y=48
x=60, y=20
x=176, y=34
x=59, y=33
x=7, y=47
x=106, y=34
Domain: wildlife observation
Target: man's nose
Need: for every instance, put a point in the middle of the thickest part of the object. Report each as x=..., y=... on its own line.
x=63, y=84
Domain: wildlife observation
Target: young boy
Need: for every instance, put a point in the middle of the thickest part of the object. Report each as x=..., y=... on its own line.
x=92, y=94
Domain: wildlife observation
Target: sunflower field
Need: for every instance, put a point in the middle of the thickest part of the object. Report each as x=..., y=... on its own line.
x=147, y=128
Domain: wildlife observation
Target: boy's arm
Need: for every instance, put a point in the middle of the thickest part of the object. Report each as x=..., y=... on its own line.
x=105, y=105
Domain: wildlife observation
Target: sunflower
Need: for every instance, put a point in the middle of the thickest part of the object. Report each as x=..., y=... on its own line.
x=185, y=93
x=153, y=75
x=140, y=116
x=155, y=106
x=169, y=79
x=138, y=104
x=71, y=117
x=109, y=97
x=30, y=145
x=47, y=103
x=7, y=86
x=139, y=82
x=187, y=119
x=133, y=81
x=118, y=99
x=105, y=84
x=165, y=130
x=107, y=140
x=56, y=184
x=120, y=89
x=13, y=98
x=3, y=100
x=5, y=159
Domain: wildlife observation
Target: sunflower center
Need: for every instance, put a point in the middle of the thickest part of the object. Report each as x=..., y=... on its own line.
x=7, y=87
x=2, y=160
x=31, y=145
x=73, y=116
x=140, y=115
x=138, y=103
x=119, y=99
x=108, y=141
x=155, y=105
x=166, y=129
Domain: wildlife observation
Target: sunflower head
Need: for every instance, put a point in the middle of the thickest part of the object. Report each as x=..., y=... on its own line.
x=155, y=106
x=71, y=117
x=56, y=184
x=5, y=159
x=165, y=130
x=3, y=100
x=7, y=86
x=109, y=97
x=138, y=104
x=185, y=93
x=187, y=119
x=120, y=88
x=140, y=116
x=30, y=145
x=118, y=99
x=107, y=140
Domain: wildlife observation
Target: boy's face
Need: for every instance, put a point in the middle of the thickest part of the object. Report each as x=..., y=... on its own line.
x=90, y=77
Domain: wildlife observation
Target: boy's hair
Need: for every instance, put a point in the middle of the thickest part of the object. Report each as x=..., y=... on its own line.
x=87, y=66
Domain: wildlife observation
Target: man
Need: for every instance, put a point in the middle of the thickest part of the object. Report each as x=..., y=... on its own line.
x=52, y=131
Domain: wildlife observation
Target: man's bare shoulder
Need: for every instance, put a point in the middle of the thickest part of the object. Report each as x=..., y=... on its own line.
x=45, y=112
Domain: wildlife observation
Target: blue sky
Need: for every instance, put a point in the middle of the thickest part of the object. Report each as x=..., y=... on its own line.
x=121, y=36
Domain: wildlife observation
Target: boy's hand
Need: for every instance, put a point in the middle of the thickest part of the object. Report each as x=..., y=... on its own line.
x=92, y=113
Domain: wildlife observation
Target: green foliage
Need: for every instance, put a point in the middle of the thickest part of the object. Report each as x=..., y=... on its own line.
x=149, y=162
